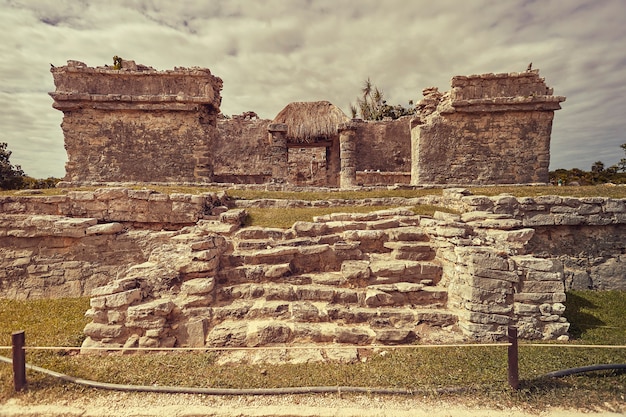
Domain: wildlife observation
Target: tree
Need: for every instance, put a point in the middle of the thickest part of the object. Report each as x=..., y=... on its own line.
x=622, y=162
x=597, y=167
x=373, y=106
x=11, y=177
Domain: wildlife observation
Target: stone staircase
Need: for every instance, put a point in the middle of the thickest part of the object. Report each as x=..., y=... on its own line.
x=344, y=278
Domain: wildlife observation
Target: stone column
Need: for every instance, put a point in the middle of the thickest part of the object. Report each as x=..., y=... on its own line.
x=347, y=154
x=279, y=152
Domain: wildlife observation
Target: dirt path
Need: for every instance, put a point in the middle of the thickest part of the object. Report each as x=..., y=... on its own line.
x=163, y=405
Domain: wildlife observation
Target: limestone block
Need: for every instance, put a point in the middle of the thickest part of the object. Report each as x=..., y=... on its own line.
x=503, y=309
x=340, y=226
x=610, y=274
x=534, y=220
x=198, y=286
x=478, y=295
x=116, y=300
x=543, y=286
x=277, y=271
x=99, y=331
x=263, y=333
x=69, y=227
x=538, y=264
x=544, y=276
x=160, y=307
x=377, y=298
x=615, y=206
x=409, y=234
x=146, y=322
x=192, y=333
x=257, y=232
x=395, y=336
x=355, y=270
x=382, y=224
x=552, y=331
x=228, y=334
x=148, y=342
x=484, y=318
x=510, y=276
x=236, y=216
x=110, y=193
x=104, y=229
x=525, y=309
x=305, y=312
x=186, y=302
x=518, y=237
x=354, y=335
x=490, y=285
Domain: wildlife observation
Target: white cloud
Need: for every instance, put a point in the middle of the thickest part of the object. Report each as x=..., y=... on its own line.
x=272, y=52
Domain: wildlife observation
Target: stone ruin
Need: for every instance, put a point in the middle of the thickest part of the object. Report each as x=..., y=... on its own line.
x=137, y=124
x=180, y=270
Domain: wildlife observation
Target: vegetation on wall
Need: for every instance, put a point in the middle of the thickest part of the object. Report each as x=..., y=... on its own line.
x=373, y=106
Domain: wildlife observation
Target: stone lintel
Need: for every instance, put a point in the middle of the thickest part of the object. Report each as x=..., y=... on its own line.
x=501, y=104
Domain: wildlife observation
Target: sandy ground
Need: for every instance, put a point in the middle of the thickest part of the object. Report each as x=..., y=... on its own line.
x=113, y=404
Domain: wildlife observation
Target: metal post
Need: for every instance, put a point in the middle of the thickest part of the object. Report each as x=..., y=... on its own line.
x=513, y=358
x=18, y=340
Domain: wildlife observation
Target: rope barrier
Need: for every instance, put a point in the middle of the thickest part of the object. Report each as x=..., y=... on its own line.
x=342, y=347
x=219, y=349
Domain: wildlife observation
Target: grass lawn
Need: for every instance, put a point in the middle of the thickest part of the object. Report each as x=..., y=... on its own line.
x=596, y=317
x=249, y=194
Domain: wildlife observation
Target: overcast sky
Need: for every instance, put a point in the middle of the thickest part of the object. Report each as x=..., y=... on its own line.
x=272, y=52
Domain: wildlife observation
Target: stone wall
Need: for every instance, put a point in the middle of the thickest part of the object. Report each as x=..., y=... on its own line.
x=383, y=277
x=66, y=245
x=241, y=153
x=585, y=235
x=142, y=125
x=489, y=129
x=384, y=146
x=136, y=123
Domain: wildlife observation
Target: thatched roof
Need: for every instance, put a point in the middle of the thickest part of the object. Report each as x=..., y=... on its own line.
x=309, y=122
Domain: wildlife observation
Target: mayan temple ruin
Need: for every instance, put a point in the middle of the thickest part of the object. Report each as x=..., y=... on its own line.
x=184, y=270
x=143, y=125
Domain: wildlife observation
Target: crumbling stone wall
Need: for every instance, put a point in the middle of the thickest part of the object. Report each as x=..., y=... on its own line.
x=241, y=153
x=384, y=146
x=136, y=123
x=142, y=125
x=585, y=235
x=489, y=129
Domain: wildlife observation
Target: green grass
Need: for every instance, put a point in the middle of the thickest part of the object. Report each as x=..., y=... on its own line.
x=596, y=317
x=285, y=218
x=518, y=191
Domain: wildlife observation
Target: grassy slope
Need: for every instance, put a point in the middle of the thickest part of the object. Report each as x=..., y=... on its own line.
x=597, y=318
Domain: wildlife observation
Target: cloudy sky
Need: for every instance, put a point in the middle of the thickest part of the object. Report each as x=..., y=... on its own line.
x=272, y=52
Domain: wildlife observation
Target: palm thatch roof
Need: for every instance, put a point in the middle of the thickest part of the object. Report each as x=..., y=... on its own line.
x=309, y=122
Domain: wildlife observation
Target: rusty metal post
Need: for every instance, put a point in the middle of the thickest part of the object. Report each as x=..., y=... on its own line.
x=18, y=340
x=513, y=358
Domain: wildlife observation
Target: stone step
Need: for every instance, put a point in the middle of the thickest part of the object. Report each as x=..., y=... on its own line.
x=266, y=233
x=374, y=296
x=407, y=234
x=261, y=244
x=320, y=312
x=402, y=294
x=413, y=251
x=303, y=259
x=399, y=270
x=298, y=323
